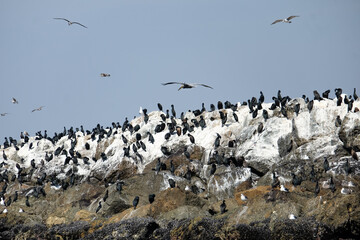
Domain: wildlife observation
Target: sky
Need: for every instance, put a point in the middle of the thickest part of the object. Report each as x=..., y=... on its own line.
x=229, y=45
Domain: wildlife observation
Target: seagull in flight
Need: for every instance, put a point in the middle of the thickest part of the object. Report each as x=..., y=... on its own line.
x=187, y=85
x=38, y=109
x=104, y=75
x=3, y=114
x=286, y=20
x=14, y=101
x=70, y=23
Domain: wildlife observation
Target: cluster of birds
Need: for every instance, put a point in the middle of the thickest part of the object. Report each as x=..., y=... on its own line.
x=132, y=149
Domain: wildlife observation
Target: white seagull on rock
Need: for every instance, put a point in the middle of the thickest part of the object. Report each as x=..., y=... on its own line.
x=283, y=189
x=244, y=198
x=70, y=22
x=286, y=20
x=292, y=216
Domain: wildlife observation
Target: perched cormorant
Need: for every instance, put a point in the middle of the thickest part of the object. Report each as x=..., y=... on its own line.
x=317, y=188
x=27, y=201
x=326, y=94
x=355, y=95
x=99, y=207
x=213, y=169
x=173, y=111
x=326, y=165
x=119, y=186
x=332, y=185
x=106, y=195
x=220, y=105
x=192, y=139
x=136, y=201
x=260, y=127
x=223, y=207
x=310, y=105
x=151, y=198
x=265, y=115
x=297, y=108
x=172, y=167
x=171, y=183
x=217, y=141
x=296, y=180
x=317, y=95
x=158, y=166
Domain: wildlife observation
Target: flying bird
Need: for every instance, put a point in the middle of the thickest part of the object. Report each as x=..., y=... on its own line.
x=37, y=109
x=14, y=101
x=3, y=114
x=286, y=20
x=187, y=85
x=70, y=23
x=104, y=75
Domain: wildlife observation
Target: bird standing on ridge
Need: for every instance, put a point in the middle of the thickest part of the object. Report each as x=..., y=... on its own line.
x=187, y=85
x=286, y=20
x=69, y=22
x=223, y=207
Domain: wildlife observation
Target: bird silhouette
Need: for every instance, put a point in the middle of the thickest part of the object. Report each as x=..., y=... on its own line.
x=70, y=22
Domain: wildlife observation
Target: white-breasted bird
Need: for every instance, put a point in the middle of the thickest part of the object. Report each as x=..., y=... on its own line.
x=346, y=191
x=243, y=197
x=283, y=189
x=70, y=22
x=292, y=216
x=286, y=20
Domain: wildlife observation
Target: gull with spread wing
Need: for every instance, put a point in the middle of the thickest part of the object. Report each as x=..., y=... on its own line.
x=70, y=22
x=187, y=85
x=286, y=20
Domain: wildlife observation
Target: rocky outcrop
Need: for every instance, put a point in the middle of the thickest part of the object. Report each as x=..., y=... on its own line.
x=65, y=194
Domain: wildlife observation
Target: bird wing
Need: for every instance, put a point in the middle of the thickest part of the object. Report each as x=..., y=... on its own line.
x=79, y=24
x=276, y=21
x=34, y=110
x=291, y=17
x=62, y=19
x=171, y=83
x=200, y=84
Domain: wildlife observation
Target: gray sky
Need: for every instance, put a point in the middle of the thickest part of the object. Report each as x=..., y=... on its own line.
x=229, y=45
